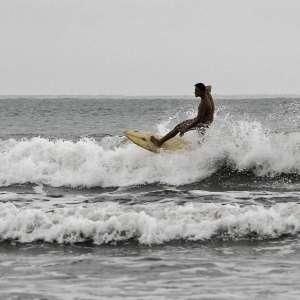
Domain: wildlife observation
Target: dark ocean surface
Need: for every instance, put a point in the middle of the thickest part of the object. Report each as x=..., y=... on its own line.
x=85, y=214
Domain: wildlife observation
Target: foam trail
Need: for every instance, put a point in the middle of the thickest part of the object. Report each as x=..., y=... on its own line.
x=152, y=224
x=242, y=145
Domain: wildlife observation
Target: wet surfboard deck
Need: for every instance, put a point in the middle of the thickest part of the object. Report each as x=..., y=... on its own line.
x=142, y=139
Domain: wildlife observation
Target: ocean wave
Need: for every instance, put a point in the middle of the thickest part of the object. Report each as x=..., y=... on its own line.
x=111, y=223
x=241, y=146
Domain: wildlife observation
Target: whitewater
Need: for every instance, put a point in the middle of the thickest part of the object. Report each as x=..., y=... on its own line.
x=113, y=161
x=151, y=224
x=84, y=213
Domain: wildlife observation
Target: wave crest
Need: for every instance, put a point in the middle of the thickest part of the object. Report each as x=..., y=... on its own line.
x=110, y=223
x=240, y=145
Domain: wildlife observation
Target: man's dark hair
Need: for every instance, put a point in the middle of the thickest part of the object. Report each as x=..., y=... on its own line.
x=200, y=86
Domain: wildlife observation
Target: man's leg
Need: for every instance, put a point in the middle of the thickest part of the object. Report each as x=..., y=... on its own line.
x=171, y=134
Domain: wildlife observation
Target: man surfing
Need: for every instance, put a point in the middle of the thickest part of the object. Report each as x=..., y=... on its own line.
x=205, y=116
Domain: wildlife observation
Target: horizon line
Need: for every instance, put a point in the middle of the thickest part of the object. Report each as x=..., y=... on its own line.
x=150, y=96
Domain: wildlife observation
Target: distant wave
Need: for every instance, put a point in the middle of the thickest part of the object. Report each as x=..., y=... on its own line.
x=240, y=147
x=110, y=223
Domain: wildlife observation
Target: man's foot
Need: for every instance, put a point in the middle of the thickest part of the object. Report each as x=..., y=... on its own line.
x=155, y=141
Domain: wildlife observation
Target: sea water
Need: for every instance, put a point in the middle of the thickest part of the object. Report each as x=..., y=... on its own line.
x=85, y=214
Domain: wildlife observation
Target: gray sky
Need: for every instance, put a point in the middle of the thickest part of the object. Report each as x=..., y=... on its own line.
x=149, y=46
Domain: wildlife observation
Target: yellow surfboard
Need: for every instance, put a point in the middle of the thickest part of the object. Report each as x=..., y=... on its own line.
x=142, y=139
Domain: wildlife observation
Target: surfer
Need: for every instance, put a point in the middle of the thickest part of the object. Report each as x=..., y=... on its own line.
x=204, y=117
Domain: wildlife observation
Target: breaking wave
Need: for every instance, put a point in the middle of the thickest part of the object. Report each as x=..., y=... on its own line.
x=242, y=146
x=111, y=223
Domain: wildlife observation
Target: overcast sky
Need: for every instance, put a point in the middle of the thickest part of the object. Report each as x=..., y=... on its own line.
x=149, y=47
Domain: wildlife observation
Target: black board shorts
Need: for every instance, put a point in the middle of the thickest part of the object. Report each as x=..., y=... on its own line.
x=200, y=127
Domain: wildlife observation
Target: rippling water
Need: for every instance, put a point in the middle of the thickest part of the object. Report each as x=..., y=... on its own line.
x=86, y=214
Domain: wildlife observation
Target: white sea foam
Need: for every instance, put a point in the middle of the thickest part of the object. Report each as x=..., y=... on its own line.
x=243, y=145
x=148, y=224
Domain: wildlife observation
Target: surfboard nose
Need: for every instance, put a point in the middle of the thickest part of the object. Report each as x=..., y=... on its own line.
x=131, y=133
x=141, y=139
